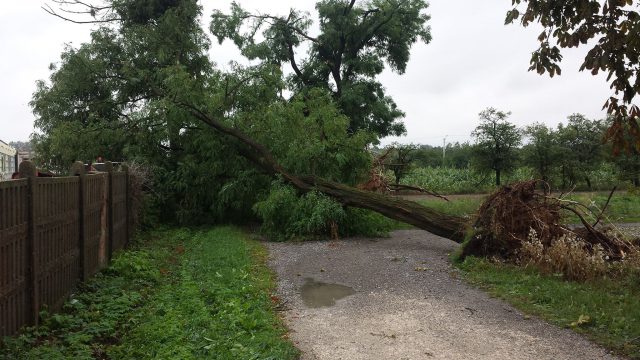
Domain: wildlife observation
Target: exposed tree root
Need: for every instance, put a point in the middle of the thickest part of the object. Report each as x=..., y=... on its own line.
x=507, y=217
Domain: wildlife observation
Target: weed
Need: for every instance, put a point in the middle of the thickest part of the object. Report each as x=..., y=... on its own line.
x=566, y=255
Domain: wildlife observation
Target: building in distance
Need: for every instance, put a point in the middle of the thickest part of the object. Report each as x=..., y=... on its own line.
x=7, y=161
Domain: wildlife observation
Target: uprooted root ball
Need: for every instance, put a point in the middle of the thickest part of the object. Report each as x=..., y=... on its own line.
x=506, y=220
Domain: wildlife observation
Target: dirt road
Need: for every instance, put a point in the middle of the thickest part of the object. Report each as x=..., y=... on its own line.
x=399, y=298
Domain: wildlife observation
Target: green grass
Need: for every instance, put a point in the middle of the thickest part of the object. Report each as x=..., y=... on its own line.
x=623, y=208
x=612, y=307
x=459, y=206
x=184, y=294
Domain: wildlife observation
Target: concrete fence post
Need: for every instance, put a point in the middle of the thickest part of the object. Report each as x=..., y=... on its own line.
x=108, y=167
x=125, y=168
x=28, y=170
x=78, y=169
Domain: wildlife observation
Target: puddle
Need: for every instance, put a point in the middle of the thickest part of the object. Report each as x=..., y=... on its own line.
x=318, y=294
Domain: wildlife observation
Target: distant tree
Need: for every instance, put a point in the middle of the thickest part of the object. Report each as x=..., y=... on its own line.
x=21, y=145
x=628, y=165
x=542, y=151
x=459, y=155
x=611, y=29
x=428, y=156
x=582, y=148
x=355, y=42
x=496, y=143
x=400, y=159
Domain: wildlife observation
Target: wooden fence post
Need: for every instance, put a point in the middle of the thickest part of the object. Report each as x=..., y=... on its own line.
x=77, y=169
x=28, y=170
x=108, y=167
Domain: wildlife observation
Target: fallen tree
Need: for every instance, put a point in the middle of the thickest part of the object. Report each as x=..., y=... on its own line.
x=450, y=227
x=503, y=224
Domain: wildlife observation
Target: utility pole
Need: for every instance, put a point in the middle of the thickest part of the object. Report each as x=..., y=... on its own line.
x=444, y=149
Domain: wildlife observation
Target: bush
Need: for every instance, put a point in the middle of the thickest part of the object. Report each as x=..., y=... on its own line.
x=285, y=215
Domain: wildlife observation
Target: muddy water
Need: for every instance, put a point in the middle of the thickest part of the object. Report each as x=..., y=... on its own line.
x=318, y=294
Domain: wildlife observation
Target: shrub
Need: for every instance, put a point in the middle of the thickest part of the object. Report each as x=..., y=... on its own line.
x=285, y=215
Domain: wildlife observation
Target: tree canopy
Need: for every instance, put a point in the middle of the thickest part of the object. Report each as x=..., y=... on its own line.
x=542, y=151
x=354, y=42
x=496, y=142
x=611, y=29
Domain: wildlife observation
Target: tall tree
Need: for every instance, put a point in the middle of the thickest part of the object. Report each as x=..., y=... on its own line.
x=582, y=148
x=496, y=143
x=353, y=45
x=117, y=96
x=615, y=27
x=542, y=151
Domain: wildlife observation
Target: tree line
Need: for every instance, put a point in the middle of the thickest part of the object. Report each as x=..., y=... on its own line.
x=563, y=156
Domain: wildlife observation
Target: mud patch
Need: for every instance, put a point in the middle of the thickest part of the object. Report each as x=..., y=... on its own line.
x=318, y=294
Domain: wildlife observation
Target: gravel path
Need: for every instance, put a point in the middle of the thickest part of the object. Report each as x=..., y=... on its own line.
x=407, y=304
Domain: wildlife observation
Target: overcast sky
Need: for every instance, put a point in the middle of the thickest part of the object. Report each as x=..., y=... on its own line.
x=473, y=62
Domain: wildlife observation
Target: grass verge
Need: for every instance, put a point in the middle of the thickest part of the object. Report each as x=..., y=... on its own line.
x=608, y=312
x=182, y=294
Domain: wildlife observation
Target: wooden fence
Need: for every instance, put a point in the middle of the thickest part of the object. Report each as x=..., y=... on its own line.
x=55, y=232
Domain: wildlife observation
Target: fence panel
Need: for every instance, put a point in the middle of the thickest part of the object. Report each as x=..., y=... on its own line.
x=119, y=210
x=54, y=232
x=14, y=256
x=56, y=239
x=95, y=193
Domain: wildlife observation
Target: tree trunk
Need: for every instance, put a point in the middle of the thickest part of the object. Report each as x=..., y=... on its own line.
x=410, y=212
x=448, y=226
x=588, y=181
x=497, y=177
